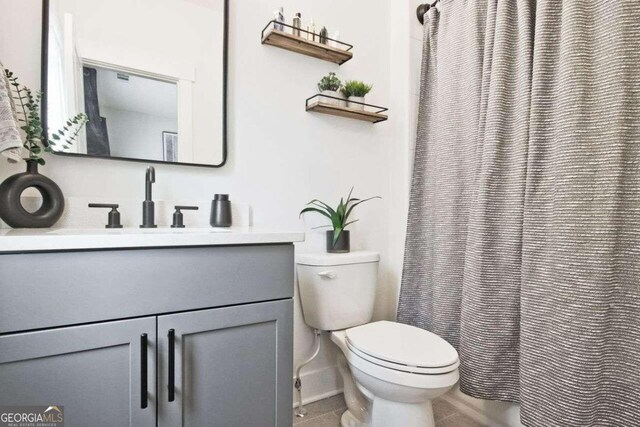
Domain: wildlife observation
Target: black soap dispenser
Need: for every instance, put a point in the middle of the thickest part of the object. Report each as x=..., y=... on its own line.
x=220, y=211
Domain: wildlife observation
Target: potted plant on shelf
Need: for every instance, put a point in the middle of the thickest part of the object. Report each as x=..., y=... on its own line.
x=338, y=239
x=35, y=143
x=355, y=91
x=329, y=85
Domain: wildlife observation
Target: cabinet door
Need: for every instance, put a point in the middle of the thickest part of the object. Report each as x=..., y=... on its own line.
x=231, y=366
x=94, y=371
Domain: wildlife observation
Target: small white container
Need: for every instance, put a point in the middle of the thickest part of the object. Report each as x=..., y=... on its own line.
x=343, y=100
x=336, y=39
x=330, y=101
x=352, y=102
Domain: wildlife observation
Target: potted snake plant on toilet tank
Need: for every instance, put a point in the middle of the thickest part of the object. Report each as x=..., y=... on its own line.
x=338, y=239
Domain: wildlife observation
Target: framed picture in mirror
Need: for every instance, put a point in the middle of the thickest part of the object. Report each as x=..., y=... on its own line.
x=170, y=146
x=143, y=72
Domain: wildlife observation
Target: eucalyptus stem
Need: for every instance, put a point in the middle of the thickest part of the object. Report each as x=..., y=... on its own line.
x=35, y=141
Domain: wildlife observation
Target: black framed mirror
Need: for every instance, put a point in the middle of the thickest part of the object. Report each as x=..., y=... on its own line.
x=151, y=76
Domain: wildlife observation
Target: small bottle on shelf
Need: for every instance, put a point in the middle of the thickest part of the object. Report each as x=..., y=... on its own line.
x=323, y=35
x=279, y=18
x=311, y=35
x=297, y=24
x=336, y=39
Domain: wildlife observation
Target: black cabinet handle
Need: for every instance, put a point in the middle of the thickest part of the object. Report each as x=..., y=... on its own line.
x=172, y=365
x=143, y=371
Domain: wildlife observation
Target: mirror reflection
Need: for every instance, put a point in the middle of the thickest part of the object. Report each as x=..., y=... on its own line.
x=129, y=115
x=150, y=80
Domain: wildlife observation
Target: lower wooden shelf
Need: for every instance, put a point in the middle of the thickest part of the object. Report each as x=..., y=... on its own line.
x=315, y=103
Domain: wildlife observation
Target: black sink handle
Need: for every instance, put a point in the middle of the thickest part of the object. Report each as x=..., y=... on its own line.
x=113, y=217
x=178, y=219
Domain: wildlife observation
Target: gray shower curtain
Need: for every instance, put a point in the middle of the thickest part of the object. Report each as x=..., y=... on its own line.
x=523, y=239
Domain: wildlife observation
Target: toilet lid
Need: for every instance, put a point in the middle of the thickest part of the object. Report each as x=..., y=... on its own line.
x=402, y=344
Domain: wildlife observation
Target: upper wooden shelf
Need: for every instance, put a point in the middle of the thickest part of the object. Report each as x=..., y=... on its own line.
x=288, y=41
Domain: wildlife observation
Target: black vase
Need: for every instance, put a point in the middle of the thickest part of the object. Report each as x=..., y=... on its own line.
x=11, y=209
x=343, y=244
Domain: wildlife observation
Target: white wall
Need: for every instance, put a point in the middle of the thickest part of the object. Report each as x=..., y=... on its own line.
x=280, y=155
x=137, y=135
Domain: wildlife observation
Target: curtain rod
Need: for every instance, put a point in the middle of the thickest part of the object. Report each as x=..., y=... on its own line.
x=424, y=8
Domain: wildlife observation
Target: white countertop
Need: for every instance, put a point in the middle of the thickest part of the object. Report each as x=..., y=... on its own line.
x=26, y=240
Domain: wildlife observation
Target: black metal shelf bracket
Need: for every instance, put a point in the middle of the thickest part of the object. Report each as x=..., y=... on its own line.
x=379, y=109
x=347, y=48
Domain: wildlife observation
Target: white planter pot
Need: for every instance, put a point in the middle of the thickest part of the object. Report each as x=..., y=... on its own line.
x=330, y=101
x=352, y=102
x=343, y=100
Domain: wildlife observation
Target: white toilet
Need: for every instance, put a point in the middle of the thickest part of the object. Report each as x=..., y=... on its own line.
x=391, y=371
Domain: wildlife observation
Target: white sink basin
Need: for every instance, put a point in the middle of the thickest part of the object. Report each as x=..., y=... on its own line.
x=20, y=240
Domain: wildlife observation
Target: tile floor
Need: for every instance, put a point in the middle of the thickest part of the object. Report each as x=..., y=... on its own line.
x=327, y=413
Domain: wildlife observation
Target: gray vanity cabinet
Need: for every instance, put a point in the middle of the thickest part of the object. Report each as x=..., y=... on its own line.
x=72, y=334
x=231, y=366
x=93, y=371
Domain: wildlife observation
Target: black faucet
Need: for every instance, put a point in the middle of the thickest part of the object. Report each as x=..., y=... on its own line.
x=148, y=208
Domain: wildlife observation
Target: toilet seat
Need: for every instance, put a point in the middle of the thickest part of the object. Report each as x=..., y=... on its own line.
x=401, y=367
x=402, y=347
x=394, y=376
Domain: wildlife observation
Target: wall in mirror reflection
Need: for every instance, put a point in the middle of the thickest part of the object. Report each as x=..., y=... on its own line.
x=148, y=73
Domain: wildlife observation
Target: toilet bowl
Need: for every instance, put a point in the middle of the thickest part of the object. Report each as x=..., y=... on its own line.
x=391, y=371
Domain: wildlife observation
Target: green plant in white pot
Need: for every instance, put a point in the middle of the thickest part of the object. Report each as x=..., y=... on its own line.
x=329, y=86
x=338, y=239
x=355, y=91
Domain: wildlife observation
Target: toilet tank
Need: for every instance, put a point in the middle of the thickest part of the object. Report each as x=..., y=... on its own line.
x=337, y=291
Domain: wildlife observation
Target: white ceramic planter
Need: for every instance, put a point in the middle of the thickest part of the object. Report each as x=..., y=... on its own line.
x=330, y=101
x=343, y=100
x=352, y=102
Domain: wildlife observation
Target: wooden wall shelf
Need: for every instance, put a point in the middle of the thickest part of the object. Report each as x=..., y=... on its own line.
x=323, y=104
x=286, y=40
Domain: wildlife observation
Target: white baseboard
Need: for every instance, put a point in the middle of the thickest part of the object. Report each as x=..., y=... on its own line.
x=487, y=412
x=318, y=384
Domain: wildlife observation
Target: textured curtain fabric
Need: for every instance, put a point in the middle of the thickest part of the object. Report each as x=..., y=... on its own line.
x=490, y=321
x=580, y=313
x=461, y=275
x=523, y=238
x=444, y=169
